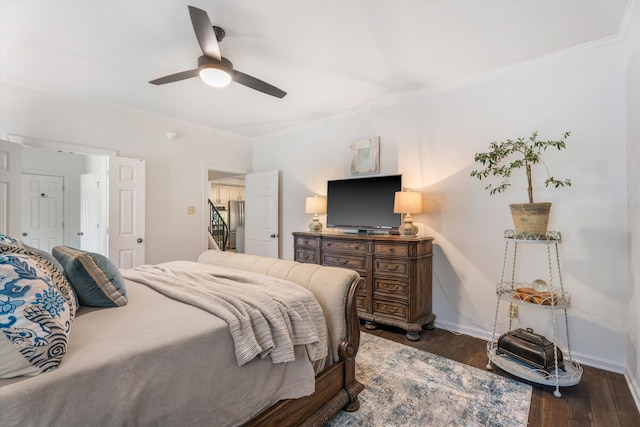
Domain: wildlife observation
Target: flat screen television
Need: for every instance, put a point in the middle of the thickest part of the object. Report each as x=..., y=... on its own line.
x=363, y=204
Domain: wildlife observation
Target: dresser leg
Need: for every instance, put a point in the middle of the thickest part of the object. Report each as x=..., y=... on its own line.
x=430, y=326
x=370, y=325
x=413, y=335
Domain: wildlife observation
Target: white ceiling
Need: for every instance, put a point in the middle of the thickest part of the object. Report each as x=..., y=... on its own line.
x=331, y=56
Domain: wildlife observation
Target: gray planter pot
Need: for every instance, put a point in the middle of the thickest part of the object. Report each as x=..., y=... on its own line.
x=530, y=219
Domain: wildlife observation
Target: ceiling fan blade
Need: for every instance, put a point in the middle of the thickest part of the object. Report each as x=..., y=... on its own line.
x=175, y=77
x=204, y=32
x=257, y=84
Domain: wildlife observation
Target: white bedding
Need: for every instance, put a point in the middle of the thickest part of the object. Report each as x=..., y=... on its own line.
x=157, y=362
x=267, y=316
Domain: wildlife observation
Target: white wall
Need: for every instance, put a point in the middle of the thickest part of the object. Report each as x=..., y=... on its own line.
x=633, y=179
x=432, y=138
x=175, y=173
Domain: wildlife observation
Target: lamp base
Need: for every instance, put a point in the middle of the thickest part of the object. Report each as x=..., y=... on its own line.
x=315, y=225
x=408, y=229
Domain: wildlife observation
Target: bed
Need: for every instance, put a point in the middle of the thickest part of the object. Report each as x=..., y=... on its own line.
x=153, y=360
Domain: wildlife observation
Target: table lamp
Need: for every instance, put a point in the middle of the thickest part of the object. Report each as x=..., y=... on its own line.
x=407, y=202
x=316, y=205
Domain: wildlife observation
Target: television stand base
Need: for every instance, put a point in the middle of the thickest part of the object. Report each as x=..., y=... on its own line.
x=364, y=232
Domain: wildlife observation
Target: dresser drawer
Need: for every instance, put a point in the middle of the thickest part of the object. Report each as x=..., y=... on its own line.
x=399, y=267
x=391, y=288
x=307, y=242
x=345, y=261
x=344, y=246
x=361, y=302
x=305, y=255
x=390, y=249
x=389, y=308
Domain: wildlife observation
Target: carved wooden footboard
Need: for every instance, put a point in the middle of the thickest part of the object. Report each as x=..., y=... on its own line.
x=336, y=386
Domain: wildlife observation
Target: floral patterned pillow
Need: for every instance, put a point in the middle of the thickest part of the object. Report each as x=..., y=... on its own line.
x=37, y=308
x=47, y=262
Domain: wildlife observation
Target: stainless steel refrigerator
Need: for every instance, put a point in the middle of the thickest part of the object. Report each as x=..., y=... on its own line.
x=236, y=219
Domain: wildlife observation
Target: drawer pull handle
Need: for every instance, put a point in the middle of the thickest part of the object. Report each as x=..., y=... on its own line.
x=343, y=261
x=305, y=256
x=391, y=287
x=390, y=267
x=390, y=309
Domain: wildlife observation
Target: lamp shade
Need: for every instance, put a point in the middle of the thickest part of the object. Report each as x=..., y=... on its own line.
x=407, y=202
x=316, y=205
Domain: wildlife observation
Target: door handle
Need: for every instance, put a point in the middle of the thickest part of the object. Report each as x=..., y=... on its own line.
x=80, y=233
x=139, y=240
x=25, y=234
x=273, y=236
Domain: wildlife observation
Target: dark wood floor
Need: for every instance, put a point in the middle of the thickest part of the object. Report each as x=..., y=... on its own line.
x=601, y=398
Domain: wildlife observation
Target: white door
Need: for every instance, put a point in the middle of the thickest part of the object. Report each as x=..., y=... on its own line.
x=42, y=211
x=126, y=211
x=90, y=213
x=262, y=214
x=10, y=183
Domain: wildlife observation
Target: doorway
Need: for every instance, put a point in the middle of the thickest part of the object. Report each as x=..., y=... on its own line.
x=261, y=210
x=68, y=167
x=227, y=197
x=122, y=193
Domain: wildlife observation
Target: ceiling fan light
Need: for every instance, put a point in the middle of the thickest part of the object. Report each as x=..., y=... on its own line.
x=215, y=77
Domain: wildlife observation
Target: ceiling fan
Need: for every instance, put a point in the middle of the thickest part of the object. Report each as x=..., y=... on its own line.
x=213, y=69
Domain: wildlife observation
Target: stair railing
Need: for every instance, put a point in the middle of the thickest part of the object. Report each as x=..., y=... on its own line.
x=218, y=228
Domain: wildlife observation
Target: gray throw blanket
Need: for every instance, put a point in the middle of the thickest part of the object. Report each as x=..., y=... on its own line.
x=267, y=316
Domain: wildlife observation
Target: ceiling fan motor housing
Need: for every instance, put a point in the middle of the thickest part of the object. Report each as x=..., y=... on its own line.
x=215, y=73
x=207, y=62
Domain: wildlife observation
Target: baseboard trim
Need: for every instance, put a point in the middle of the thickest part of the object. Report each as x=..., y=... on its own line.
x=633, y=386
x=583, y=359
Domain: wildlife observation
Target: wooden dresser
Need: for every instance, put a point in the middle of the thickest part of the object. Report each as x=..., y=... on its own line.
x=396, y=272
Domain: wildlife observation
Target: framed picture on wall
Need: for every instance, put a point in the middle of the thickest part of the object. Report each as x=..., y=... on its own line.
x=365, y=156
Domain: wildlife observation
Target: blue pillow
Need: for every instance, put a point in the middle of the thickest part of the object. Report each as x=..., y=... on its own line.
x=95, y=279
x=35, y=317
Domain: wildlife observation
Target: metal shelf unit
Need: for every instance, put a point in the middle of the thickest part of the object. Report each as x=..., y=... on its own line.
x=554, y=299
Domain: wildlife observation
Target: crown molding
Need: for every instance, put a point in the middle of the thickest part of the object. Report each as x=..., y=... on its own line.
x=631, y=14
x=66, y=147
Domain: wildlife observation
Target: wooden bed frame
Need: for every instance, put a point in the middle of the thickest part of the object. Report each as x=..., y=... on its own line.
x=336, y=386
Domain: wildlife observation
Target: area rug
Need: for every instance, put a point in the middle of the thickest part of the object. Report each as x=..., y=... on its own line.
x=405, y=386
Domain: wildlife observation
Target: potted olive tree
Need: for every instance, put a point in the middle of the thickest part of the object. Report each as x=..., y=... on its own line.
x=505, y=157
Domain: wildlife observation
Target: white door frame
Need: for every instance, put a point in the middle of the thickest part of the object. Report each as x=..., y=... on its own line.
x=206, y=195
